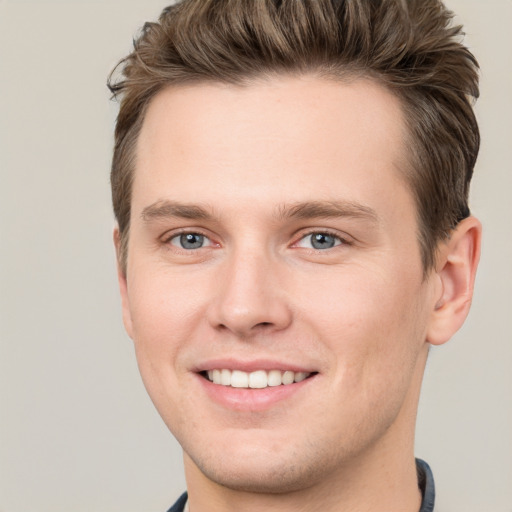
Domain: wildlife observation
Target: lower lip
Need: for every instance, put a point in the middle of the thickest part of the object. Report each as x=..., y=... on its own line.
x=248, y=399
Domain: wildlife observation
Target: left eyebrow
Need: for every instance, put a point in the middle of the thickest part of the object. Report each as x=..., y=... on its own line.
x=327, y=210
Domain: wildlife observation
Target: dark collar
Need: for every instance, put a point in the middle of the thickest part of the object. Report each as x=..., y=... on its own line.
x=426, y=485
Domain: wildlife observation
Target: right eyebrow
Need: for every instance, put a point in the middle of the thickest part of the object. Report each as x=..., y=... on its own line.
x=174, y=209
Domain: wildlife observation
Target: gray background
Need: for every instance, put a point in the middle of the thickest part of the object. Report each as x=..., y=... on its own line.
x=77, y=432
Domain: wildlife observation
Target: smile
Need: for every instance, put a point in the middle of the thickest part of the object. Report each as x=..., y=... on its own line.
x=258, y=379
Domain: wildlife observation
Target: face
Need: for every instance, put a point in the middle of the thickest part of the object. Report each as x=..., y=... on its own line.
x=273, y=250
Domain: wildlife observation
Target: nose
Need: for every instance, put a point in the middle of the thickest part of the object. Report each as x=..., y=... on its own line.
x=250, y=296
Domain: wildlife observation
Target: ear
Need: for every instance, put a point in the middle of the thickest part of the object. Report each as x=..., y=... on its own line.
x=456, y=270
x=123, y=285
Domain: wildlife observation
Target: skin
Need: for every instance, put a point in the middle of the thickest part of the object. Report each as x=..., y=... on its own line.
x=232, y=163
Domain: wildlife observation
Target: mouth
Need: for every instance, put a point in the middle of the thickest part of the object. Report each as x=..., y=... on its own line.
x=259, y=379
x=255, y=386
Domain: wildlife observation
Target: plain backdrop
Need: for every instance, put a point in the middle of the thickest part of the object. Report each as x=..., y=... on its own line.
x=77, y=431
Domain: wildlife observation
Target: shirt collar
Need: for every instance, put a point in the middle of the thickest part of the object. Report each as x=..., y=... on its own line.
x=426, y=485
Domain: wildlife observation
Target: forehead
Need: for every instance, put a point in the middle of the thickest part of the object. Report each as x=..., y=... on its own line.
x=280, y=138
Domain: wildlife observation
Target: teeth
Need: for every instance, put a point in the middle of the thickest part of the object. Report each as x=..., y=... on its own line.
x=288, y=377
x=225, y=377
x=258, y=379
x=274, y=378
x=239, y=379
x=300, y=376
x=255, y=380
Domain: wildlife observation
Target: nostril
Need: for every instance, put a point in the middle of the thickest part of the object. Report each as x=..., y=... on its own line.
x=263, y=327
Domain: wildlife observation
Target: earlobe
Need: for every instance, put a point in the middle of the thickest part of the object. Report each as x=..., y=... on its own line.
x=457, y=264
x=123, y=284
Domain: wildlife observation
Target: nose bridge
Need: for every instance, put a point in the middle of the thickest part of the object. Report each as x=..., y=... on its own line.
x=249, y=296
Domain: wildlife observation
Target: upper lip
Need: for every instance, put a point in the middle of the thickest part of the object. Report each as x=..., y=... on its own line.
x=252, y=365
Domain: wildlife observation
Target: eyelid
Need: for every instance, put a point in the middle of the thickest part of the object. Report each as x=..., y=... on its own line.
x=171, y=233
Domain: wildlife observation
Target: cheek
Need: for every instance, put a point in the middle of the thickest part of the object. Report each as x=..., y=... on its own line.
x=163, y=313
x=375, y=326
x=164, y=305
x=162, y=323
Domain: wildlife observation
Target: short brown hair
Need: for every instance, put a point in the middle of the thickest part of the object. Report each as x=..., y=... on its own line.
x=408, y=46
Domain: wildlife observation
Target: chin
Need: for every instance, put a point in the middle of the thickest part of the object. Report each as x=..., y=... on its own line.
x=275, y=468
x=269, y=478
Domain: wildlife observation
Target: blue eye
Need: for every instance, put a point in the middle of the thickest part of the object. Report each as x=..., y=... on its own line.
x=190, y=241
x=319, y=241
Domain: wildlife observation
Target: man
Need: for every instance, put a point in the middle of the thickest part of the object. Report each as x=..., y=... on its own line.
x=290, y=182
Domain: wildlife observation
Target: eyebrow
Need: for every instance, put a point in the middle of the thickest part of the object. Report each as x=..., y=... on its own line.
x=327, y=210
x=301, y=210
x=168, y=209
